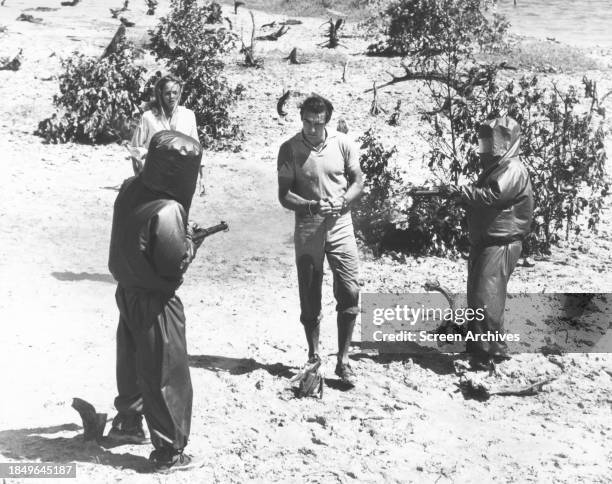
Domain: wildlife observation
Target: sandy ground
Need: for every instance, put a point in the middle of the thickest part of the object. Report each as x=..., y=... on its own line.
x=406, y=421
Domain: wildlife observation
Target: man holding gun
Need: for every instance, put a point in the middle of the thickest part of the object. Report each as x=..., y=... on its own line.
x=500, y=211
x=151, y=247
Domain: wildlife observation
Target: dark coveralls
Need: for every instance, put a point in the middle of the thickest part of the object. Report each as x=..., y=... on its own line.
x=500, y=211
x=149, y=252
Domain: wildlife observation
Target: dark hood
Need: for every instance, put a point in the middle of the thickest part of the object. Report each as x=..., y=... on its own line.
x=172, y=166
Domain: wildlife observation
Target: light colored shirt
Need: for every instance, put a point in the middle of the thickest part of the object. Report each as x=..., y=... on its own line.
x=318, y=173
x=182, y=120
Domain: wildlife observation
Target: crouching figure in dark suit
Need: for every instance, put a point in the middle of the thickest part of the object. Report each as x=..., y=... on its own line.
x=500, y=211
x=151, y=247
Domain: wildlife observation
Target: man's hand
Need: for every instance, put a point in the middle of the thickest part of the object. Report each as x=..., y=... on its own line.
x=198, y=238
x=332, y=206
x=137, y=165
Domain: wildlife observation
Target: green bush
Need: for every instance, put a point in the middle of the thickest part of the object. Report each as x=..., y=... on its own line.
x=427, y=28
x=386, y=218
x=562, y=144
x=98, y=98
x=373, y=212
x=193, y=50
x=563, y=148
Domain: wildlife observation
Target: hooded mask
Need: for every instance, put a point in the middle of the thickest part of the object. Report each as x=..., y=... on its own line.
x=172, y=166
x=501, y=137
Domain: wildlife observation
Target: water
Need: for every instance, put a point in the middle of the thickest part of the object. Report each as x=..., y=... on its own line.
x=575, y=22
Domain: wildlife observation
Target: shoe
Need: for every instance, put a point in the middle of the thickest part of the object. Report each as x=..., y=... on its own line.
x=165, y=458
x=128, y=429
x=313, y=362
x=346, y=374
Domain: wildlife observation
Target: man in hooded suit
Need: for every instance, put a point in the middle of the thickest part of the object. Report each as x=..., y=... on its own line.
x=500, y=211
x=151, y=247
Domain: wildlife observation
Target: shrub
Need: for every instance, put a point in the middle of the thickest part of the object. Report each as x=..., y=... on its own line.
x=386, y=220
x=562, y=143
x=192, y=50
x=563, y=148
x=98, y=98
x=373, y=212
x=425, y=29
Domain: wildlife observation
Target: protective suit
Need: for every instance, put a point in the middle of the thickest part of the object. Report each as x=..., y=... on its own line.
x=500, y=211
x=150, y=250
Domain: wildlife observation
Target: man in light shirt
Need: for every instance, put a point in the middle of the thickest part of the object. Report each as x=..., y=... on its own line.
x=319, y=177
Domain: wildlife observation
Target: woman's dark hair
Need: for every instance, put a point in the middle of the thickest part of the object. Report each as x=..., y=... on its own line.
x=156, y=104
x=317, y=104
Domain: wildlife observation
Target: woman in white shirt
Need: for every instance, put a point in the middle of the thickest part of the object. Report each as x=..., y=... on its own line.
x=164, y=114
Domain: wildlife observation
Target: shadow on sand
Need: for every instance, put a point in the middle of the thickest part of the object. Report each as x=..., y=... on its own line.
x=427, y=358
x=83, y=276
x=239, y=366
x=40, y=444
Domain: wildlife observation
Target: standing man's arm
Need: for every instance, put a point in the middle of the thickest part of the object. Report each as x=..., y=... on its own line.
x=286, y=180
x=355, y=182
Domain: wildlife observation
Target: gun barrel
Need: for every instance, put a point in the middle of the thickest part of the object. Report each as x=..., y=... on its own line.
x=220, y=227
x=424, y=192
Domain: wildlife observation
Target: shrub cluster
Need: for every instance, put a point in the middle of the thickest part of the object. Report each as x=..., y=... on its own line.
x=98, y=98
x=435, y=27
x=386, y=218
x=373, y=212
x=562, y=143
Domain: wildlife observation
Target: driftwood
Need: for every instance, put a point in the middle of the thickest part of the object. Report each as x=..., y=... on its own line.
x=117, y=39
x=249, y=52
x=126, y=22
x=276, y=35
x=480, y=390
x=475, y=76
x=281, y=103
x=333, y=39
x=394, y=120
x=41, y=9
x=71, y=3
x=375, y=109
x=93, y=422
x=151, y=6
x=237, y=3
x=291, y=21
x=116, y=11
x=292, y=57
x=26, y=17
x=8, y=64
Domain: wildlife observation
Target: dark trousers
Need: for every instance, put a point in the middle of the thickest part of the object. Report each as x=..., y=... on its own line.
x=152, y=368
x=489, y=269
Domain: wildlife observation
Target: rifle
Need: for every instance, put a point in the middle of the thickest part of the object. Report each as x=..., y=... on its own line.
x=425, y=192
x=200, y=233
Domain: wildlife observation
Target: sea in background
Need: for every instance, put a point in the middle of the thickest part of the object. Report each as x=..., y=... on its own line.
x=575, y=22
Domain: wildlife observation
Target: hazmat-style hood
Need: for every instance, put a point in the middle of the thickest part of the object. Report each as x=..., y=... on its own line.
x=501, y=137
x=172, y=166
